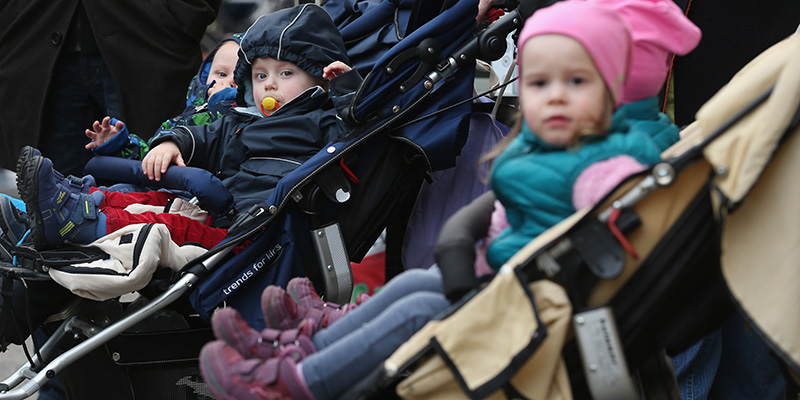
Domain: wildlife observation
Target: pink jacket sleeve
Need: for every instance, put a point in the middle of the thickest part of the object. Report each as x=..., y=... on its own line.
x=600, y=178
x=499, y=222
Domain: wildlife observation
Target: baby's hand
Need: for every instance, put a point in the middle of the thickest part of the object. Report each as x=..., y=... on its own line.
x=102, y=132
x=335, y=69
x=159, y=158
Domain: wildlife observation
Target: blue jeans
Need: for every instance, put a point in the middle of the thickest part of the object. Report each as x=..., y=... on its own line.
x=82, y=91
x=359, y=342
x=729, y=363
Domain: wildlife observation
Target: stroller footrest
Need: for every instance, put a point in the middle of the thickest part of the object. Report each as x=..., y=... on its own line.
x=335, y=263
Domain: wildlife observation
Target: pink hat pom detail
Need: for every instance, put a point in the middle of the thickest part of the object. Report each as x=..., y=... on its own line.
x=659, y=29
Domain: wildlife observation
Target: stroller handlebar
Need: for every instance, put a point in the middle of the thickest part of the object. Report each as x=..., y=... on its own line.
x=488, y=45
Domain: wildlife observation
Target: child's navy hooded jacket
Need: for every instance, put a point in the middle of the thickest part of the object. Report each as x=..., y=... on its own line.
x=248, y=151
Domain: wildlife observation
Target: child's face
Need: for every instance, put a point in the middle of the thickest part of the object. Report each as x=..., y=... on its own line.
x=281, y=80
x=562, y=94
x=222, y=67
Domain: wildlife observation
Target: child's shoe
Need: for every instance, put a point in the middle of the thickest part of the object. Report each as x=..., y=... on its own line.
x=302, y=291
x=83, y=184
x=13, y=221
x=232, y=377
x=230, y=327
x=59, y=209
x=280, y=310
x=362, y=298
x=26, y=153
x=285, y=309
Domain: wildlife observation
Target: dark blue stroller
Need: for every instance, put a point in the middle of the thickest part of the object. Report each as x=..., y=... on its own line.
x=410, y=116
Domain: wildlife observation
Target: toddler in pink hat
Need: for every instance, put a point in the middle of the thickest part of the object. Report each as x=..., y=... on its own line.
x=629, y=42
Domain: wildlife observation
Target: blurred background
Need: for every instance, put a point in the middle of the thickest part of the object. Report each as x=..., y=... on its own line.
x=8, y=183
x=236, y=15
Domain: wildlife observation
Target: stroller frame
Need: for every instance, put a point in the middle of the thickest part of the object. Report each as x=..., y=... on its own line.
x=422, y=369
x=51, y=369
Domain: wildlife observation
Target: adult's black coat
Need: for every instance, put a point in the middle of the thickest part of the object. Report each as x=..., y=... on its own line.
x=734, y=32
x=151, y=47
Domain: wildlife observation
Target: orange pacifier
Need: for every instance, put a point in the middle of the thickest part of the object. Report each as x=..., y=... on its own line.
x=269, y=105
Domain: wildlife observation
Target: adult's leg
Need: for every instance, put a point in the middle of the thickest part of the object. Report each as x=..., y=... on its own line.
x=31, y=306
x=747, y=369
x=82, y=91
x=696, y=367
x=731, y=362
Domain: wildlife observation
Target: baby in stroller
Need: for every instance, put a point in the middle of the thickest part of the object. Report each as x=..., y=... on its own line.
x=206, y=101
x=573, y=73
x=656, y=36
x=210, y=95
x=249, y=149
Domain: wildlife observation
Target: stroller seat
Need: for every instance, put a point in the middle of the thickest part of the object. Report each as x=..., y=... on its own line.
x=679, y=245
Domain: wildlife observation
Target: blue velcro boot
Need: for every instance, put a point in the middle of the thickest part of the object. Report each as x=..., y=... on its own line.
x=13, y=221
x=59, y=209
x=83, y=184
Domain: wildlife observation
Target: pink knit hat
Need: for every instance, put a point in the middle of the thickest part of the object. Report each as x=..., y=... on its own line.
x=659, y=28
x=600, y=29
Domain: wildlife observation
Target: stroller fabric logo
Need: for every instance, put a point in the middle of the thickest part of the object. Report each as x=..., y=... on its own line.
x=267, y=260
